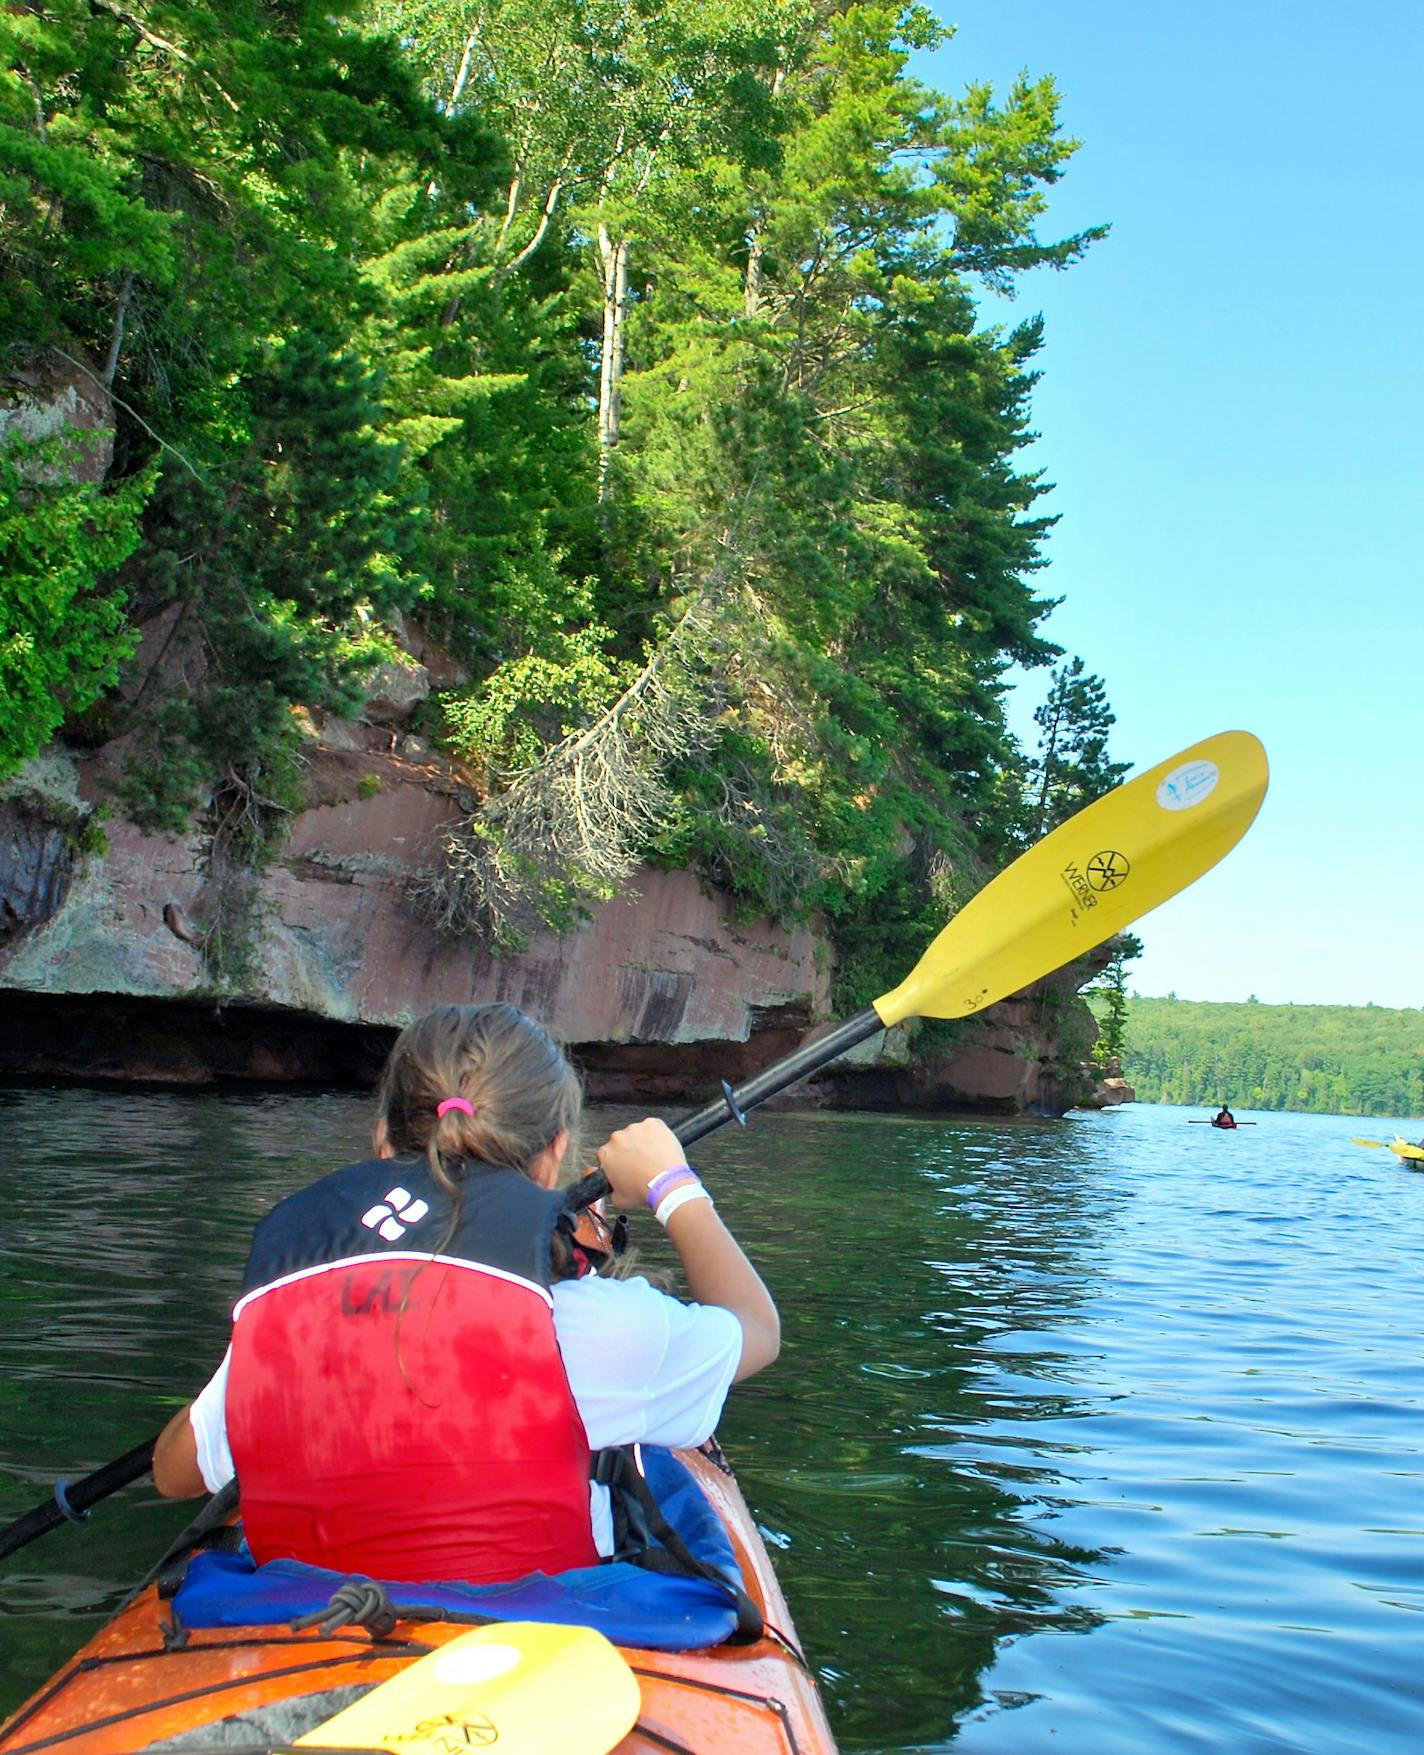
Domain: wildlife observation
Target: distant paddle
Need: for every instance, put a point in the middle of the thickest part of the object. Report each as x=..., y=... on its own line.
x=1400, y=1146
x=1223, y=1126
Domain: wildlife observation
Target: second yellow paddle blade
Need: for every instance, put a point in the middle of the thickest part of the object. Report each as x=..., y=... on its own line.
x=1094, y=875
x=521, y=1688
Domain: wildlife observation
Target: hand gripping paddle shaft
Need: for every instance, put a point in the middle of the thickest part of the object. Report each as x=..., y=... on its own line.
x=1113, y=862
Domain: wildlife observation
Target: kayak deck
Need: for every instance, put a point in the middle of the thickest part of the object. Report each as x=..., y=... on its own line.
x=134, y=1684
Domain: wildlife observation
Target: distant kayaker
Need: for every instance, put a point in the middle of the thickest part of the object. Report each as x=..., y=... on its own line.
x=421, y=1361
x=1223, y=1118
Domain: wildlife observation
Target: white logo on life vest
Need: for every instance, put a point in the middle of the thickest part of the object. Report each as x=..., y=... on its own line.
x=395, y=1215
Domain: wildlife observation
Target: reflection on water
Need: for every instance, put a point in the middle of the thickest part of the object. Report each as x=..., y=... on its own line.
x=1096, y=1435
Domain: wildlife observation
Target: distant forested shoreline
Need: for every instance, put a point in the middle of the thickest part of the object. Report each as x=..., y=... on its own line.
x=1321, y=1059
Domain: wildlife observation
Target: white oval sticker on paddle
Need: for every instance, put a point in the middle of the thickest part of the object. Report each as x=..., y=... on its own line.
x=1188, y=785
x=466, y=1664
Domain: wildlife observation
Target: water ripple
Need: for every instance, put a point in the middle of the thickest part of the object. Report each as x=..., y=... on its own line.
x=1095, y=1437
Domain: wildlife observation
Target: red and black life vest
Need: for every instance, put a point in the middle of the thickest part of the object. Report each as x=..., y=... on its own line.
x=403, y=1413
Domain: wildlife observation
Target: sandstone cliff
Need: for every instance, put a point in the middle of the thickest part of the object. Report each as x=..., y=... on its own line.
x=107, y=969
x=127, y=955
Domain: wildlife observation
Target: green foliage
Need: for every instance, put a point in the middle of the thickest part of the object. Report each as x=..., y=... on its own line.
x=638, y=354
x=1072, y=766
x=808, y=388
x=63, y=634
x=1062, y=1016
x=278, y=562
x=1109, y=992
x=74, y=210
x=195, y=202
x=1322, y=1059
x=879, y=946
x=532, y=701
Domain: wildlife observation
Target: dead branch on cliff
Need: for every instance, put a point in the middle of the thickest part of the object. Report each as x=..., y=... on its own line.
x=568, y=831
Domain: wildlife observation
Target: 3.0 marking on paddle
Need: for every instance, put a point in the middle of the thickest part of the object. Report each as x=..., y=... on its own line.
x=1106, y=870
x=1188, y=784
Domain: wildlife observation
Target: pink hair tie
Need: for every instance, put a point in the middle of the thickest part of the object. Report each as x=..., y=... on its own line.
x=463, y=1104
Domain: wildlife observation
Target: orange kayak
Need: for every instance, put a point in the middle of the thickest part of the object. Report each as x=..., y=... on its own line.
x=134, y=1685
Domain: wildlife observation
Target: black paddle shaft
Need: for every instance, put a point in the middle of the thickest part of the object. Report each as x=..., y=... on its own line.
x=733, y=1104
x=71, y=1503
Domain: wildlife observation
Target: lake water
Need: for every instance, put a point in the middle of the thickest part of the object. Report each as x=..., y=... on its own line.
x=1088, y=1436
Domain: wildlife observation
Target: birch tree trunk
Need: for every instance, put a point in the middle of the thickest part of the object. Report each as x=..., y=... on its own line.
x=613, y=256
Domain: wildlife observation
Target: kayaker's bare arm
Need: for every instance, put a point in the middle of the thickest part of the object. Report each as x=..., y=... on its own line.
x=175, y=1460
x=719, y=1273
x=716, y=1270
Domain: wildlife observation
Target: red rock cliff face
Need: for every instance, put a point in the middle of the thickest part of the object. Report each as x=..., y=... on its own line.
x=109, y=968
x=109, y=964
x=665, y=967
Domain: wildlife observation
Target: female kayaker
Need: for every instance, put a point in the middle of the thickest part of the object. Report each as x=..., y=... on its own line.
x=421, y=1366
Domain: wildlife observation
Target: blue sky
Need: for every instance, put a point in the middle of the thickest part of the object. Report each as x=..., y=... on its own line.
x=1231, y=410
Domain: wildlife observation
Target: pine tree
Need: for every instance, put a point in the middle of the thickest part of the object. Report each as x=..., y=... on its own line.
x=1112, y=1013
x=1073, y=767
x=63, y=630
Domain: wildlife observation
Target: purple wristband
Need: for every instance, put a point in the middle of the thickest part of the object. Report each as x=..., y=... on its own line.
x=667, y=1180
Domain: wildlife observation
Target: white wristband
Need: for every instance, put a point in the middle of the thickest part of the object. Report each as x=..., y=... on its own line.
x=679, y=1197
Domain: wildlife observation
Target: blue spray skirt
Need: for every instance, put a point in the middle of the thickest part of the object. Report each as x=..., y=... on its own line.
x=626, y=1603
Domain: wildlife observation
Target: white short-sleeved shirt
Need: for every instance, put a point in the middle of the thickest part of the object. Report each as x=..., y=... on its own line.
x=644, y=1368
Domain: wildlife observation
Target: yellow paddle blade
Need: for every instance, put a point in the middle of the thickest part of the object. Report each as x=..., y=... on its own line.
x=520, y=1687
x=1359, y=1142
x=1094, y=875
